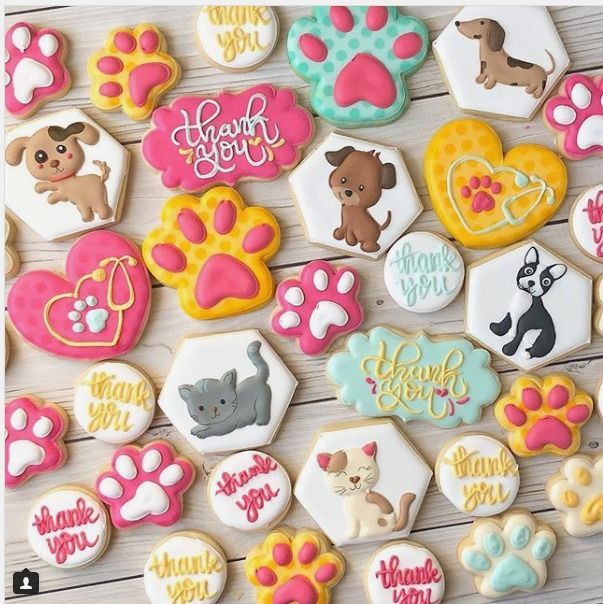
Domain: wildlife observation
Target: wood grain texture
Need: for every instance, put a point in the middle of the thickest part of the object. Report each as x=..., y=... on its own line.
x=573, y=574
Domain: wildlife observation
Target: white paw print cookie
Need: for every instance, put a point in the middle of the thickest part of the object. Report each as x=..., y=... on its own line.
x=507, y=554
x=577, y=492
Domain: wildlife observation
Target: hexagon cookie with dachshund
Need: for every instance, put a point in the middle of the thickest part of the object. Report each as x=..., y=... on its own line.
x=354, y=196
x=64, y=174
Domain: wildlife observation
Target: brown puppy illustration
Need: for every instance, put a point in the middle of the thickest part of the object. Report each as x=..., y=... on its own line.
x=54, y=156
x=496, y=66
x=357, y=182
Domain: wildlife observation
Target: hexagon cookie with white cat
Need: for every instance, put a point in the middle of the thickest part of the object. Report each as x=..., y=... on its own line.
x=354, y=196
x=528, y=305
x=501, y=60
x=64, y=174
x=227, y=391
x=363, y=481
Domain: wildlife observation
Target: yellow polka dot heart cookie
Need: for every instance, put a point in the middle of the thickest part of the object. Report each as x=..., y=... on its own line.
x=484, y=198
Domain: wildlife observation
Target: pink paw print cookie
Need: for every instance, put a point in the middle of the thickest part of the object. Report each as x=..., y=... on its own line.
x=35, y=72
x=132, y=71
x=319, y=306
x=544, y=415
x=576, y=114
x=145, y=485
x=33, y=439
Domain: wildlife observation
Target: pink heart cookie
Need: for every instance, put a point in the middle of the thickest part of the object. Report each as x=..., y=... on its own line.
x=97, y=311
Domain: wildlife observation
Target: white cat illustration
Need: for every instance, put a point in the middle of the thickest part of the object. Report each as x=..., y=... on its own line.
x=352, y=473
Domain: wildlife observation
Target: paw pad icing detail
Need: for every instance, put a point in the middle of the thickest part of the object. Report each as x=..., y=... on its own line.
x=145, y=485
x=544, y=415
x=319, y=306
x=35, y=72
x=294, y=567
x=33, y=441
x=214, y=251
x=508, y=555
x=132, y=71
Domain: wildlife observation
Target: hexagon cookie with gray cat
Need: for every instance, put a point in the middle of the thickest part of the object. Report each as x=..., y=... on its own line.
x=363, y=481
x=227, y=391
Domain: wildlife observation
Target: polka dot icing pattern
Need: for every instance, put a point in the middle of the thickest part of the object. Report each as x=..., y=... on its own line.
x=586, y=222
x=294, y=567
x=35, y=71
x=97, y=311
x=132, y=71
x=356, y=60
x=201, y=141
x=444, y=381
x=33, y=439
x=486, y=199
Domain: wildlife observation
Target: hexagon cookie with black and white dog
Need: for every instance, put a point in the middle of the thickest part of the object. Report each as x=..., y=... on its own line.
x=227, y=391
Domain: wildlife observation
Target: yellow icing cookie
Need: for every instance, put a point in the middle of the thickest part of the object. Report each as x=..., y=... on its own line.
x=214, y=250
x=486, y=199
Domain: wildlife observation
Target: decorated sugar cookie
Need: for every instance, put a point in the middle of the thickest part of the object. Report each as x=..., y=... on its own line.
x=348, y=192
x=201, y=141
x=576, y=115
x=423, y=272
x=249, y=491
x=600, y=398
x=486, y=199
x=145, y=485
x=598, y=321
x=64, y=174
x=507, y=554
x=356, y=60
x=97, y=311
x=403, y=571
x=68, y=527
x=477, y=474
x=33, y=439
x=185, y=566
x=576, y=491
x=294, y=566
x=227, y=391
x=544, y=415
x=35, y=71
x=114, y=402
x=132, y=71
x=214, y=251
x=353, y=485
x=586, y=222
x=12, y=261
x=519, y=304
x=237, y=38
x=319, y=306
x=501, y=60
x=443, y=380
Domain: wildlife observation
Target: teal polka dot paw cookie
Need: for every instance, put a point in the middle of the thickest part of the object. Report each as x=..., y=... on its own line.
x=356, y=60
x=507, y=554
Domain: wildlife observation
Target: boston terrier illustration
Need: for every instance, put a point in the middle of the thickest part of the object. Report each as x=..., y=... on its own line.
x=527, y=311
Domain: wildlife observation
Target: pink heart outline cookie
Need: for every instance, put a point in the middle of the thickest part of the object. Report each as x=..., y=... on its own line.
x=97, y=311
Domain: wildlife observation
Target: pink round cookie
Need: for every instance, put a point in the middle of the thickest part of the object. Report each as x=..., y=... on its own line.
x=97, y=311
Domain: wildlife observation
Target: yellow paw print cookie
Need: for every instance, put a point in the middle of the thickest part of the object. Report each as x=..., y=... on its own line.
x=214, y=251
x=577, y=492
x=132, y=71
x=486, y=199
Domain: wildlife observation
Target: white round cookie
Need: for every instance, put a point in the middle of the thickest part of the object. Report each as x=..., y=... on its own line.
x=477, y=474
x=249, y=491
x=194, y=551
x=404, y=567
x=423, y=272
x=114, y=402
x=586, y=222
x=68, y=527
x=237, y=38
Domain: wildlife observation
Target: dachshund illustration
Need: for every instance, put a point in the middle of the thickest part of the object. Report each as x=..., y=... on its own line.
x=496, y=66
x=357, y=182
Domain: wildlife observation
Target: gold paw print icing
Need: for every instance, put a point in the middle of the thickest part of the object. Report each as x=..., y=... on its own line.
x=577, y=492
x=12, y=262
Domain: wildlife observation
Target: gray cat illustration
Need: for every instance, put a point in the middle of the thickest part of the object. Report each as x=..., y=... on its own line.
x=220, y=406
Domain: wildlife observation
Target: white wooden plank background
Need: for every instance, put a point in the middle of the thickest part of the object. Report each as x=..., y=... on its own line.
x=574, y=571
